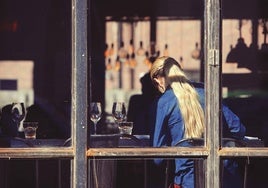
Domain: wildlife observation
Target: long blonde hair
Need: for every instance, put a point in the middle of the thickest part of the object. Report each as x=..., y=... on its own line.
x=188, y=99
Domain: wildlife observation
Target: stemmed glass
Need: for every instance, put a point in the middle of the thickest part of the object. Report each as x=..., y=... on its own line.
x=119, y=112
x=95, y=114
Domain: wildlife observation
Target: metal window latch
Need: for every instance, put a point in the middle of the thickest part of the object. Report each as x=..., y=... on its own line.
x=213, y=57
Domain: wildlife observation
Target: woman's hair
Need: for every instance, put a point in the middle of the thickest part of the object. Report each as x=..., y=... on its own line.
x=188, y=99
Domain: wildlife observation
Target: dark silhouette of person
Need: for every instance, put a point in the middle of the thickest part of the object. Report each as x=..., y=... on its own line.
x=53, y=121
x=139, y=105
x=8, y=126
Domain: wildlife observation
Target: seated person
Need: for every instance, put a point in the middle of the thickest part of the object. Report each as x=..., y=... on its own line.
x=178, y=114
x=138, y=107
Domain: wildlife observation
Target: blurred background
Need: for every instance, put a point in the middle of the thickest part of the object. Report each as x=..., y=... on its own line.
x=123, y=39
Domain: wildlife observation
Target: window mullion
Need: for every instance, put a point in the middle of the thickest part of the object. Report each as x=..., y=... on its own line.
x=79, y=92
x=213, y=94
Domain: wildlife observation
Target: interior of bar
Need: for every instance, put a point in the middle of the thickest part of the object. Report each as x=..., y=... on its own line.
x=124, y=39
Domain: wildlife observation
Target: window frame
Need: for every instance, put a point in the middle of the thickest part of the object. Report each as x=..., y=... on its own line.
x=212, y=152
x=78, y=152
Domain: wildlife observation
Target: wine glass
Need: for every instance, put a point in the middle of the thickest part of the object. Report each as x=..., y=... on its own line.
x=119, y=111
x=95, y=114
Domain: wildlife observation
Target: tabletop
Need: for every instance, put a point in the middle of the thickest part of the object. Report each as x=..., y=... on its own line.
x=113, y=141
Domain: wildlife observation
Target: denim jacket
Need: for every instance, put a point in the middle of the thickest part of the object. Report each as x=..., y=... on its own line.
x=167, y=129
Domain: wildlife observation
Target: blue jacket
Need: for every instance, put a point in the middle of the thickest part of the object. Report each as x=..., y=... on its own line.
x=167, y=129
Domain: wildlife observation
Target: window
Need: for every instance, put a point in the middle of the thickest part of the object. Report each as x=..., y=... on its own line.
x=80, y=158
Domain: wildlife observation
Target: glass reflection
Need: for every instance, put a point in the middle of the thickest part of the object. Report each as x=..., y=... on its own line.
x=35, y=70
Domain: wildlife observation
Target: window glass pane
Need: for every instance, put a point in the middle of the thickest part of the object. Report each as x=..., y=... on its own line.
x=181, y=39
x=243, y=172
x=142, y=173
x=126, y=60
x=35, y=68
x=34, y=173
x=129, y=55
x=245, y=73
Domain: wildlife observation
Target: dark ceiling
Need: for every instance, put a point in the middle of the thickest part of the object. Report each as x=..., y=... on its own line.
x=38, y=21
x=180, y=8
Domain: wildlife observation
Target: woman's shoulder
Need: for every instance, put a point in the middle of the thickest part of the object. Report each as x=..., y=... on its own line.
x=167, y=97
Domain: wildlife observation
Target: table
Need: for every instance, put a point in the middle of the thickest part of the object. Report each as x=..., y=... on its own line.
x=106, y=170
x=99, y=140
x=111, y=140
x=18, y=142
x=119, y=141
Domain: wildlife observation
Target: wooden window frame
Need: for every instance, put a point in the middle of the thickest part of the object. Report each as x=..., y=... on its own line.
x=212, y=152
x=78, y=152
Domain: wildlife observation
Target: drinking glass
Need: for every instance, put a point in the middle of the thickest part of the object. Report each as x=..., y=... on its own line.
x=125, y=128
x=30, y=129
x=119, y=112
x=95, y=114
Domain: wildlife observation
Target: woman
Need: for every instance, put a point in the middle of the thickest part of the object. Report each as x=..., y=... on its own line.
x=178, y=114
